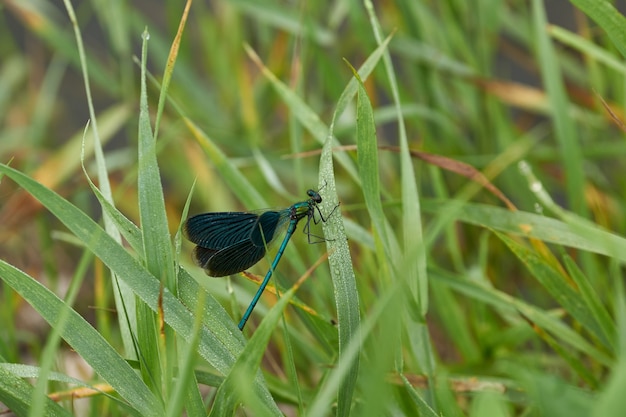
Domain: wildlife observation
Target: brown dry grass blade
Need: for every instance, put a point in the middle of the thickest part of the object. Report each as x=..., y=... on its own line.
x=460, y=168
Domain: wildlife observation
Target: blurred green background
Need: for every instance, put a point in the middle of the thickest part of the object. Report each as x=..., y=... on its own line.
x=524, y=310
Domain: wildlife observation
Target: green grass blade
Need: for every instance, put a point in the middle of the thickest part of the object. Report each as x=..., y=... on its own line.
x=565, y=130
x=575, y=235
x=85, y=340
x=347, y=95
x=593, y=302
x=16, y=394
x=156, y=237
x=423, y=407
x=344, y=280
x=367, y=153
x=608, y=17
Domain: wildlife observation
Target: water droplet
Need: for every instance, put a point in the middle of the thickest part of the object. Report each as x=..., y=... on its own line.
x=523, y=167
x=536, y=186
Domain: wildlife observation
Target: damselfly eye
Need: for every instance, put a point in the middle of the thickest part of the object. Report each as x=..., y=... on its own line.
x=315, y=196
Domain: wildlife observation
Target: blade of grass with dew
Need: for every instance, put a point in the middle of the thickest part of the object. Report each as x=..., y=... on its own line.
x=608, y=17
x=367, y=154
x=85, y=340
x=220, y=350
x=16, y=395
x=157, y=256
x=156, y=236
x=237, y=386
x=344, y=281
x=588, y=238
x=388, y=259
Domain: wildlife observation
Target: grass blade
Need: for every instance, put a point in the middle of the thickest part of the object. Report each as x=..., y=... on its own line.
x=344, y=280
x=85, y=340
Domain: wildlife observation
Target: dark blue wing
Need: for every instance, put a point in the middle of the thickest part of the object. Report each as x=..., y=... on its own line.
x=230, y=260
x=220, y=230
x=269, y=221
x=232, y=242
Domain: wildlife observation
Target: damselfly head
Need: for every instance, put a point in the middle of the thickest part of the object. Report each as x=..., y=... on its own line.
x=315, y=196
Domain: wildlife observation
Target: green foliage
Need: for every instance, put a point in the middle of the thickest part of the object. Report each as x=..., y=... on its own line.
x=472, y=267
